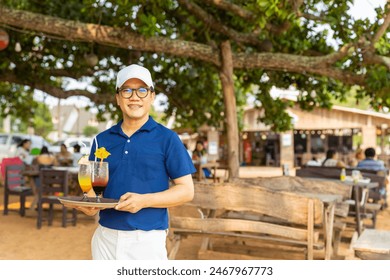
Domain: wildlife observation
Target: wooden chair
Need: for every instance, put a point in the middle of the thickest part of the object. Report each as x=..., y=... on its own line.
x=14, y=184
x=52, y=184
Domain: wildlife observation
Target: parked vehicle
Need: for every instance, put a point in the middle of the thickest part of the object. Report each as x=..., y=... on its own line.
x=10, y=141
x=84, y=142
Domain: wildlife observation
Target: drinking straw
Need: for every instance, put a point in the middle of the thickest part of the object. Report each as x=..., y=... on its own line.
x=96, y=144
x=96, y=148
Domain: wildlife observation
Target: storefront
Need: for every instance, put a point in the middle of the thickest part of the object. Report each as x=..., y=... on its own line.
x=261, y=148
x=343, y=129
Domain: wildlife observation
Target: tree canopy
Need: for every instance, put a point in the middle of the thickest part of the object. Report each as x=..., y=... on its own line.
x=314, y=46
x=279, y=43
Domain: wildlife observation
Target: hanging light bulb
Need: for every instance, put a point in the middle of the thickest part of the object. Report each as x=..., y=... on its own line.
x=18, y=47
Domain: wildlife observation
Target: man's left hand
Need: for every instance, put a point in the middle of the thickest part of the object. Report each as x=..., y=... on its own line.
x=131, y=202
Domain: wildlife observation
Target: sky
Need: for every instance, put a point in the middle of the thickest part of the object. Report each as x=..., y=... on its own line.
x=365, y=8
x=361, y=9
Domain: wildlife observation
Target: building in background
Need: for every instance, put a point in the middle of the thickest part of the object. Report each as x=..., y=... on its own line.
x=341, y=128
x=70, y=121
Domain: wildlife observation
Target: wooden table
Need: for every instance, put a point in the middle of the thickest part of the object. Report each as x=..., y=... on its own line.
x=329, y=201
x=373, y=245
x=199, y=167
x=360, y=190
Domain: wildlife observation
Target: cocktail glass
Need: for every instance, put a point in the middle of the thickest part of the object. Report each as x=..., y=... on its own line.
x=99, y=177
x=84, y=177
x=356, y=175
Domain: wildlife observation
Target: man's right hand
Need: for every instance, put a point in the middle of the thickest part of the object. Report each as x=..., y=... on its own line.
x=89, y=211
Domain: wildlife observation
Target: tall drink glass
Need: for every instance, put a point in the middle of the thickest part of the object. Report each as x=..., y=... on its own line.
x=84, y=177
x=99, y=177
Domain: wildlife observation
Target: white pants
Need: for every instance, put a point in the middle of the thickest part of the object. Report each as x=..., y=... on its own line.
x=111, y=244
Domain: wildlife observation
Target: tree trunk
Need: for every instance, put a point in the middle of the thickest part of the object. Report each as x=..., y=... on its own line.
x=226, y=76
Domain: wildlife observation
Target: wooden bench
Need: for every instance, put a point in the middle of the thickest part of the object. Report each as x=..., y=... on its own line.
x=373, y=245
x=247, y=220
x=309, y=185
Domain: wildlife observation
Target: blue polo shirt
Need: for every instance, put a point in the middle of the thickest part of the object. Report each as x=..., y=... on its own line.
x=142, y=163
x=372, y=164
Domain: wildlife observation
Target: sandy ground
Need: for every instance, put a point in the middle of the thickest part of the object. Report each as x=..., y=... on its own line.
x=21, y=240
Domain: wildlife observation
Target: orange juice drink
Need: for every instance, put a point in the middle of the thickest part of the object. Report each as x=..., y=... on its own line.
x=85, y=182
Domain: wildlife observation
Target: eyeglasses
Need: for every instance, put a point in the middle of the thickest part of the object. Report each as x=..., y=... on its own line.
x=141, y=92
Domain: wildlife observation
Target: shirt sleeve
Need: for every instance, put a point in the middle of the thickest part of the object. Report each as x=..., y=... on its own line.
x=178, y=162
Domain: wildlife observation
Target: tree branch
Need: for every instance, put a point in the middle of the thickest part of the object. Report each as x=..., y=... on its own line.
x=298, y=64
x=122, y=38
x=382, y=29
x=217, y=26
x=333, y=57
x=57, y=91
x=296, y=5
x=233, y=8
x=247, y=15
x=105, y=35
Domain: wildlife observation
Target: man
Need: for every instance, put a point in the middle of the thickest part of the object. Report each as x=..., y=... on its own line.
x=369, y=162
x=144, y=156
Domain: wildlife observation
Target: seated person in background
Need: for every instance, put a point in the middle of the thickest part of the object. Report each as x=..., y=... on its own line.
x=76, y=154
x=313, y=162
x=199, y=156
x=45, y=158
x=370, y=162
x=23, y=151
x=64, y=157
x=332, y=159
x=359, y=155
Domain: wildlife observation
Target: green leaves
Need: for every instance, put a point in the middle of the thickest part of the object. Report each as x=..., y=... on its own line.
x=318, y=29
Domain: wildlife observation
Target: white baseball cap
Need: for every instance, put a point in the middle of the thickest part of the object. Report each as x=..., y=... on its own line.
x=134, y=71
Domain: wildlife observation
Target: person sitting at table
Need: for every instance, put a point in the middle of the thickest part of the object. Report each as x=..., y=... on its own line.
x=45, y=159
x=76, y=154
x=370, y=162
x=359, y=156
x=199, y=156
x=331, y=160
x=23, y=151
x=64, y=157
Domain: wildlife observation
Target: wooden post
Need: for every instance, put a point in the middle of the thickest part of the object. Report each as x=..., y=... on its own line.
x=310, y=229
x=226, y=76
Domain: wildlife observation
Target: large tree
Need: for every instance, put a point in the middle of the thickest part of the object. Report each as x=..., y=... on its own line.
x=206, y=54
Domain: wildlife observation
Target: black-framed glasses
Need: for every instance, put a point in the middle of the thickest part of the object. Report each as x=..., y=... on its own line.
x=127, y=93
